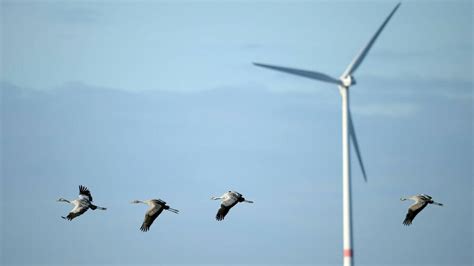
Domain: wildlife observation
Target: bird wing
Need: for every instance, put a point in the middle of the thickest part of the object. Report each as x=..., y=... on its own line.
x=231, y=198
x=84, y=192
x=158, y=202
x=222, y=212
x=78, y=210
x=236, y=194
x=426, y=197
x=413, y=210
x=150, y=217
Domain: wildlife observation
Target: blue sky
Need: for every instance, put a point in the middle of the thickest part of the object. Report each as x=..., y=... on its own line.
x=159, y=99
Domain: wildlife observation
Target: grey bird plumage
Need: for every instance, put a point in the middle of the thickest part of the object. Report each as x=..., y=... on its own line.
x=420, y=202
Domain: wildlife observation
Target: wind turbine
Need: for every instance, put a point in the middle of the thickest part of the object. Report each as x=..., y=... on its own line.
x=344, y=82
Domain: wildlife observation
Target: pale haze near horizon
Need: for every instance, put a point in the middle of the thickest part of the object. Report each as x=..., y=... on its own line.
x=143, y=100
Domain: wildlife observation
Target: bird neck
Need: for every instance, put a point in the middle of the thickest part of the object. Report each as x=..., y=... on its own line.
x=64, y=200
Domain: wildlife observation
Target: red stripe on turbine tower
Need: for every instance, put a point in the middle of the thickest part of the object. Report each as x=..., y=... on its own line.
x=347, y=252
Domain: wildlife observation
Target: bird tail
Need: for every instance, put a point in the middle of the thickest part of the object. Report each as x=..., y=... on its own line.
x=93, y=207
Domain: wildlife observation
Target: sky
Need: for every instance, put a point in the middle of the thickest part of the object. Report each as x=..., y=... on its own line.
x=155, y=99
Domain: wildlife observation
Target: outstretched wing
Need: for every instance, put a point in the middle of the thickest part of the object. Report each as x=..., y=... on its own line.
x=77, y=211
x=235, y=194
x=84, y=191
x=150, y=217
x=425, y=197
x=413, y=211
x=159, y=202
x=222, y=212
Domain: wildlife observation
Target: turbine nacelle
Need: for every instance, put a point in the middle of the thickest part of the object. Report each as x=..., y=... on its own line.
x=347, y=81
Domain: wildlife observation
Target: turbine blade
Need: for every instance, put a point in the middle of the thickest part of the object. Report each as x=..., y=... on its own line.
x=363, y=52
x=353, y=137
x=303, y=73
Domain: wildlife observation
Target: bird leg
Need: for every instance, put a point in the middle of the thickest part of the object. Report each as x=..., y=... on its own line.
x=173, y=210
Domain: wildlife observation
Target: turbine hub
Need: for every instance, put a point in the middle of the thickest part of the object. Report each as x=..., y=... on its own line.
x=347, y=81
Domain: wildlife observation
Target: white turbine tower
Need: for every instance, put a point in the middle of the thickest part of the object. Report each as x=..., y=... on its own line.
x=344, y=82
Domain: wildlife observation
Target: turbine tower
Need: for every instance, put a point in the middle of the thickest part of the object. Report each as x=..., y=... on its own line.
x=348, y=131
